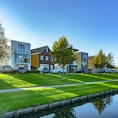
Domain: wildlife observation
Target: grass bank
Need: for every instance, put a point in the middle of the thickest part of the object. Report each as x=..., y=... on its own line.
x=30, y=79
x=22, y=99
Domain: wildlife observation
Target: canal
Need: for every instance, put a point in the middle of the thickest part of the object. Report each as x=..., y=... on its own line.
x=100, y=108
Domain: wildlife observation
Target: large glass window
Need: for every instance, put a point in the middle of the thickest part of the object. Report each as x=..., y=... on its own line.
x=21, y=48
x=22, y=58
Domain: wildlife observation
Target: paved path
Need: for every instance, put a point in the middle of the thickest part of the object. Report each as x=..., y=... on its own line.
x=53, y=86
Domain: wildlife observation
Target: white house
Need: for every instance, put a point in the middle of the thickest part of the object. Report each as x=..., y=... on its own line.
x=20, y=54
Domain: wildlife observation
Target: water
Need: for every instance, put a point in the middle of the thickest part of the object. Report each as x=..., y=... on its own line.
x=101, y=108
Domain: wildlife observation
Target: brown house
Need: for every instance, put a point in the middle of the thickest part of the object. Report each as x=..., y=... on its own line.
x=40, y=57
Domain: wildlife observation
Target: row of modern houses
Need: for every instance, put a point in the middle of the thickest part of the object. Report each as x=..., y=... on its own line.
x=21, y=55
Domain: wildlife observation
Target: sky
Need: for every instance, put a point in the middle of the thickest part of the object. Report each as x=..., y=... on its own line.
x=89, y=25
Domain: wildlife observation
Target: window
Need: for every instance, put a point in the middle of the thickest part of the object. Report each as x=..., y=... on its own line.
x=46, y=58
x=21, y=48
x=41, y=57
x=44, y=66
x=51, y=58
x=46, y=49
x=74, y=62
x=51, y=67
x=22, y=58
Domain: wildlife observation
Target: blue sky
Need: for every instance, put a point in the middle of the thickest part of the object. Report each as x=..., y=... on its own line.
x=89, y=25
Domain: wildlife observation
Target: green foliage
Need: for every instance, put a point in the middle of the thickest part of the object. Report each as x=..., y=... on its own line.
x=62, y=52
x=100, y=59
x=117, y=68
x=100, y=105
x=109, y=60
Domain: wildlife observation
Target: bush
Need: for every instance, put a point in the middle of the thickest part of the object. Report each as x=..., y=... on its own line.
x=32, y=71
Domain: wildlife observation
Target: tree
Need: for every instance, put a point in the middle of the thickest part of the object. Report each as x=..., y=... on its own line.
x=4, y=48
x=100, y=59
x=109, y=60
x=62, y=52
x=66, y=113
x=101, y=104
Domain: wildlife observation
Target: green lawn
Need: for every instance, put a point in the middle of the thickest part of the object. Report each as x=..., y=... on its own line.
x=22, y=99
x=30, y=79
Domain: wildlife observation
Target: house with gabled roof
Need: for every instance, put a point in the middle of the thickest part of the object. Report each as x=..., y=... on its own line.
x=40, y=57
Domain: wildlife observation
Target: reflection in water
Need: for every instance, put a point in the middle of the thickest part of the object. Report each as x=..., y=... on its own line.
x=68, y=113
x=100, y=105
x=104, y=110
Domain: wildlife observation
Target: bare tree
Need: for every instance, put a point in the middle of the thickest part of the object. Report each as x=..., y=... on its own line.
x=4, y=47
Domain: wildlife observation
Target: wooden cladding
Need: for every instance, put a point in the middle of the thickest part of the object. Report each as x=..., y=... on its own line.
x=35, y=60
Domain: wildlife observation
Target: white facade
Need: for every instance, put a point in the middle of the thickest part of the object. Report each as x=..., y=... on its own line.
x=20, y=54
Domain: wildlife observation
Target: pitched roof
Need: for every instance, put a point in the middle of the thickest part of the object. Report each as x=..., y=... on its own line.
x=39, y=50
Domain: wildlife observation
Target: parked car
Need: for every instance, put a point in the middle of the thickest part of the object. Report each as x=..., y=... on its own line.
x=58, y=70
x=22, y=70
x=103, y=71
x=79, y=71
x=43, y=70
x=112, y=70
x=6, y=69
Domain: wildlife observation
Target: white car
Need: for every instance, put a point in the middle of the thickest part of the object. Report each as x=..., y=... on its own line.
x=58, y=70
x=43, y=70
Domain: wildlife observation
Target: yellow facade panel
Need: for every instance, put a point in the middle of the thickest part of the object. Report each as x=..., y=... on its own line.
x=35, y=60
x=78, y=61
